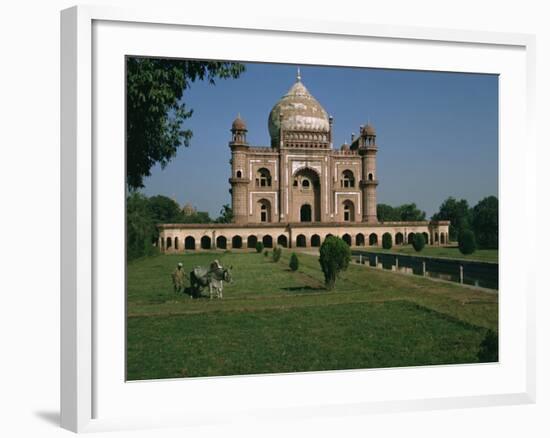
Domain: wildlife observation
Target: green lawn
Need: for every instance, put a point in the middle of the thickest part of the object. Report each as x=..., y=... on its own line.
x=274, y=320
x=484, y=255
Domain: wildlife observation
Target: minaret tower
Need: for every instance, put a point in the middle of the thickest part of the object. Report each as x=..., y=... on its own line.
x=239, y=173
x=369, y=182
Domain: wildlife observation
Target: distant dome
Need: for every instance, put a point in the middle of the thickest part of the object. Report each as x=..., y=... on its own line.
x=238, y=124
x=299, y=110
x=369, y=129
x=344, y=147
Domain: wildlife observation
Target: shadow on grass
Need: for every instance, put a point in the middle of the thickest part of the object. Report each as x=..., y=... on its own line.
x=303, y=289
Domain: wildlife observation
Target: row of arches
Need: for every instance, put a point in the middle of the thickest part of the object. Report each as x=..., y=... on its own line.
x=222, y=242
x=302, y=241
x=264, y=179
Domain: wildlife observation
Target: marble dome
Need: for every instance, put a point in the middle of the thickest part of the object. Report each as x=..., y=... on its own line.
x=300, y=112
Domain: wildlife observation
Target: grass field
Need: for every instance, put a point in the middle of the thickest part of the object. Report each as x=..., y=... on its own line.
x=484, y=255
x=274, y=320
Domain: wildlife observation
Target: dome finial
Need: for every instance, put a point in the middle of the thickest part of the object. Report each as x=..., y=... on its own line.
x=298, y=75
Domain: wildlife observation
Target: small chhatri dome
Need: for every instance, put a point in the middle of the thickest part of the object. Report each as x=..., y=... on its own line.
x=238, y=124
x=297, y=110
x=344, y=147
x=369, y=129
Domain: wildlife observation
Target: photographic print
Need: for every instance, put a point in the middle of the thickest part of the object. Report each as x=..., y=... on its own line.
x=296, y=218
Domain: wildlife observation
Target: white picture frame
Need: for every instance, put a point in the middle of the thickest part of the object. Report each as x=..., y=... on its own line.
x=86, y=179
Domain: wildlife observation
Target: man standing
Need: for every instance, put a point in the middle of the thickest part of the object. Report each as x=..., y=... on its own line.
x=177, y=278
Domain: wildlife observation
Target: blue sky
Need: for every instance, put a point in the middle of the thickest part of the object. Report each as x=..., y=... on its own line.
x=437, y=132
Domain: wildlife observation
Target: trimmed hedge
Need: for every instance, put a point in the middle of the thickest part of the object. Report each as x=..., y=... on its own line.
x=276, y=255
x=466, y=242
x=418, y=242
x=259, y=247
x=335, y=255
x=293, y=265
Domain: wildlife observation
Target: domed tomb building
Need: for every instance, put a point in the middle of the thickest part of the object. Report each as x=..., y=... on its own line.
x=300, y=189
x=301, y=177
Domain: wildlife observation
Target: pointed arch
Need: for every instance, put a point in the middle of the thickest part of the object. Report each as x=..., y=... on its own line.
x=221, y=242
x=189, y=242
x=237, y=242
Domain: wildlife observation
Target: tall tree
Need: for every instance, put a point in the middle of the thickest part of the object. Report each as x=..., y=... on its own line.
x=155, y=111
x=386, y=213
x=140, y=227
x=458, y=212
x=485, y=222
x=405, y=212
x=226, y=215
x=164, y=210
x=409, y=212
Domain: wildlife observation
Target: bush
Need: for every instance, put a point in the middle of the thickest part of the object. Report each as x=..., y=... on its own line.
x=335, y=255
x=266, y=253
x=293, y=265
x=259, y=247
x=276, y=255
x=488, y=349
x=466, y=242
x=418, y=242
x=386, y=241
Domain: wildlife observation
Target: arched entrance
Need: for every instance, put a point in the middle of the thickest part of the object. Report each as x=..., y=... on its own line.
x=305, y=213
x=373, y=239
x=251, y=241
x=399, y=239
x=237, y=242
x=221, y=242
x=305, y=190
x=360, y=240
x=301, y=241
x=267, y=241
x=189, y=242
x=264, y=210
x=315, y=241
x=349, y=211
x=282, y=241
x=347, y=238
x=206, y=242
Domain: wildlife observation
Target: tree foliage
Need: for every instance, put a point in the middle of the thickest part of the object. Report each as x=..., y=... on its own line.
x=164, y=209
x=335, y=256
x=141, y=231
x=418, y=242
x=466, y=242
x=226, y=215
x=405, y=212
x=293, y=264
x=458, y=212
x=155, y=110
x=386, y=213
x=142, y=216
x=259, y=247
x=410, y=212
x=276, y=255
x=485, y=222
x=387, y=241
x=488, y=349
